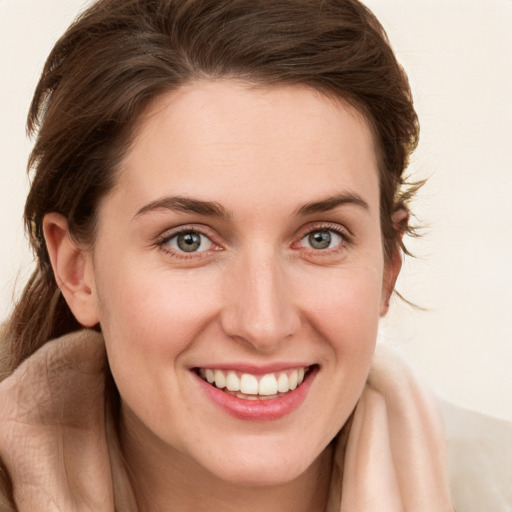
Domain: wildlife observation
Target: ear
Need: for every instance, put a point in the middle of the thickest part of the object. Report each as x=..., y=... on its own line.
x=393, y=265
x=73, y=269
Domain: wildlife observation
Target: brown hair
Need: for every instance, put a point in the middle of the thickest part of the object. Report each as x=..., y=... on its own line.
x=120, y=54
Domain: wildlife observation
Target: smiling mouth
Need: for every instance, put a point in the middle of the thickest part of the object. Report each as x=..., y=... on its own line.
x=255, y=387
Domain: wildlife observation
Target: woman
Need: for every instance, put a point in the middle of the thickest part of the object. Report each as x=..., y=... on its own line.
x=219, y=199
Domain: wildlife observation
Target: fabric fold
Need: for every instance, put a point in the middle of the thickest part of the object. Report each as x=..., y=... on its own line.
x=395, y=456
x=59, y=443
x=52, y=428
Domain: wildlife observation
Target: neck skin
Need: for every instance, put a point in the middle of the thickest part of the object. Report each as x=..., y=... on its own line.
x=162, y=477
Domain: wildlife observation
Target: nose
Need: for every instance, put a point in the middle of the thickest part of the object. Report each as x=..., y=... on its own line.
x=259, y=307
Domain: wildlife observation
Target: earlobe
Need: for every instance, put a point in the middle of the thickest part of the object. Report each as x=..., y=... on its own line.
x=73, y=270
x=394, y=264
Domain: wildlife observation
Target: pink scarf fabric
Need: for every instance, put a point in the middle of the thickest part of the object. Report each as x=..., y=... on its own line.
x=61, y=452
x=394, y=459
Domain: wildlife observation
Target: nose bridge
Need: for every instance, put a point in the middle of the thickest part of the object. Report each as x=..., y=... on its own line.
x=260, y=309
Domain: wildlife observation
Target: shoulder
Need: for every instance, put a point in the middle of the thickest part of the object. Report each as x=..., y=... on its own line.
x=480, y=460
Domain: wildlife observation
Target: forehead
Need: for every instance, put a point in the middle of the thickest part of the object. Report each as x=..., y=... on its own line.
x=213, y=137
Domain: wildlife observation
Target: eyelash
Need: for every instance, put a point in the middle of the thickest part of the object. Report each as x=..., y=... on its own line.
x=165, y=238
x=345, y=241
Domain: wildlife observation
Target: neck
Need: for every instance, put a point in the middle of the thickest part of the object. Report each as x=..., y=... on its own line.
x=163, y=475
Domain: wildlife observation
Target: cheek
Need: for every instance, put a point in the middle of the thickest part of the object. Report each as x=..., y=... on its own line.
x=353, y=333
x=344, y=316
x=148, y=321
x=151, y=312
x=346, y=308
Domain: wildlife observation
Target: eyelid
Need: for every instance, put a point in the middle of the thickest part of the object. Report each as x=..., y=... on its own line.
x=325, y=226
x=168, y=234
x=342, y=231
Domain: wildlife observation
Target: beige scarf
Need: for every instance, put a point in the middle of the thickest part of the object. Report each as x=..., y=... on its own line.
x=60, y=449
x=394, y=460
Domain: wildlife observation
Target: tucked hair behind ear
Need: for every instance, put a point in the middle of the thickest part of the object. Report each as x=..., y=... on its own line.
x=119, y=55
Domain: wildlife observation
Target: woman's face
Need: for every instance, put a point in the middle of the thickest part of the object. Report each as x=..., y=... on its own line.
x=242, y=243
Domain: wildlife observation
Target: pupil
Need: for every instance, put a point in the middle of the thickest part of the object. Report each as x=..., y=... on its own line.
x=189, y=242
x=320, y=239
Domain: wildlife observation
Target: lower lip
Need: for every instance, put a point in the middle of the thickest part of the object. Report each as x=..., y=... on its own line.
x=260, y=410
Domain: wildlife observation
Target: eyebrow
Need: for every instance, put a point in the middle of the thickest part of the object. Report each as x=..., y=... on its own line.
x=331, y=203
x=214, y=209
x=186, y=205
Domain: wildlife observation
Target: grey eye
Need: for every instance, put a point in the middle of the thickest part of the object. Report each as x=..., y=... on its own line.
x=321, y=239
x=190, y=241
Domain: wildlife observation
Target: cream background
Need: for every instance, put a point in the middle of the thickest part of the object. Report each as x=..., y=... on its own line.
x=458, y=54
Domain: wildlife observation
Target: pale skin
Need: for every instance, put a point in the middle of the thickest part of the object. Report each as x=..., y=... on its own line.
x=254, y=174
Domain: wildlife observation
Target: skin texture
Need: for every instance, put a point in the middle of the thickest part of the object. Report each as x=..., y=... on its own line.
x=257, y=292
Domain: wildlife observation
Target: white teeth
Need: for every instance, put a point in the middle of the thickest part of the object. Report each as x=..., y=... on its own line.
x=268, y=385
x=249, y=384
x=220, y=379
x=210, y=376
x=232, y=382
x=283, y=384
x=293, y=378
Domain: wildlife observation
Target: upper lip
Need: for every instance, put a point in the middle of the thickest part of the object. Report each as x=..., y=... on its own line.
x=255, y=369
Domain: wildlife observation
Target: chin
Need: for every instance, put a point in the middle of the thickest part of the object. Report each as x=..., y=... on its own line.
x=260, y=466
x=261, y=474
